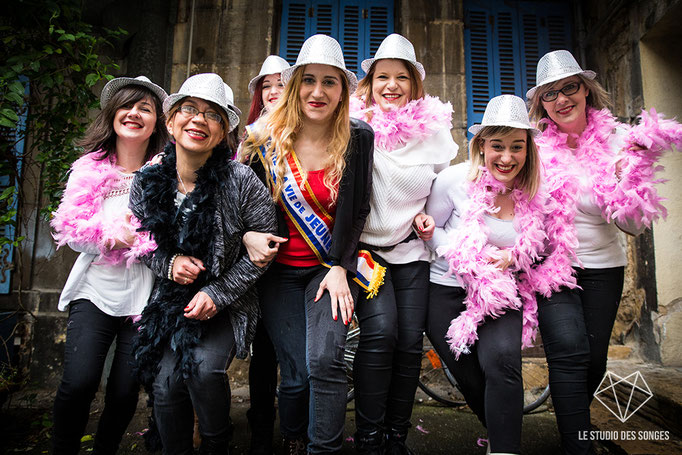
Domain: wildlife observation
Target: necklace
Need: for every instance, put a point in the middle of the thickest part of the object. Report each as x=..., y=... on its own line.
x=184, y=188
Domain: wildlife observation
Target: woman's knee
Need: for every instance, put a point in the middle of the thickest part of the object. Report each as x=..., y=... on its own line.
x=378, y=333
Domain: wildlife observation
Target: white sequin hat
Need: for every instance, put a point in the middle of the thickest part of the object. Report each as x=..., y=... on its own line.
x=230, y=100
x=323, y=50
x=505, y=110
x=117, y=84
x=208, y=87
x=554, y=66
x=274, y=64
x=395, y=46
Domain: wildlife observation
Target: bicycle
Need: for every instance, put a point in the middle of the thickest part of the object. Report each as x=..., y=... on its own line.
x=439, y=384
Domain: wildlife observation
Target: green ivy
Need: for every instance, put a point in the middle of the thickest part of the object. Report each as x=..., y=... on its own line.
x=49, y=61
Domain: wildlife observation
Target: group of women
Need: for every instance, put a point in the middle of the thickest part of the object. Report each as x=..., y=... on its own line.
x=341, y=202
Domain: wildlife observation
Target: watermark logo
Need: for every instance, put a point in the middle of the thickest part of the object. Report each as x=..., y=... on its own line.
x=623, y=396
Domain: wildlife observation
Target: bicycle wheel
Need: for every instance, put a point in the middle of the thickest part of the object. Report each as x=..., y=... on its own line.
x=435, y=379
x=535, y=377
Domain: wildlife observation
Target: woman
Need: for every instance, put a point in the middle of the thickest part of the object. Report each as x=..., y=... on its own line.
x=197, y=203
x=107, y=284
x=491, y=224
x=412, y=143
x=318, y=165
x=265, y=89
x=592, y=162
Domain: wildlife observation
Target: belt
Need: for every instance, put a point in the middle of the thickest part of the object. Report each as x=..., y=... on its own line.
x=409, y=238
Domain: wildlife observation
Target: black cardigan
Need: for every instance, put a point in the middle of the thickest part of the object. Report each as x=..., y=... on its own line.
x=352, y=205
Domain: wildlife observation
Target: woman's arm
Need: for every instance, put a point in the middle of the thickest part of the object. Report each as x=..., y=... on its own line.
x=258, y=214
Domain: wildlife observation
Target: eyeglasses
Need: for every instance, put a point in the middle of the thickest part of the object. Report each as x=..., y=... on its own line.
x=191, y=112
x=568, y=90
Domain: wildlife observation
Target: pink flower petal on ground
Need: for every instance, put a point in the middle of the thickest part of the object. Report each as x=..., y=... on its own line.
x=420, y=428
x=482, y=442
x=350, y=439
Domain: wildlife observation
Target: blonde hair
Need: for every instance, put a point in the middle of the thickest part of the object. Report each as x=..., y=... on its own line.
x=598, y=98
x=277, y=130
x=364, y=89
x=529, y=177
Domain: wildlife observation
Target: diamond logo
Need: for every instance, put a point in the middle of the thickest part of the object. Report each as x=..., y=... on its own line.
x=616, y=394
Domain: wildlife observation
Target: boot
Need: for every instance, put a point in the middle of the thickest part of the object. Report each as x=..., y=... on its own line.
x=372, y=443
x=262, y=429
x=396, y=443
x=295, y=446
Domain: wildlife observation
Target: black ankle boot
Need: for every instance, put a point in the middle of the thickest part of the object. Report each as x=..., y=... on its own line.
x=262, y=428
x=395, y=444
x=295, y=446
x=370, y=443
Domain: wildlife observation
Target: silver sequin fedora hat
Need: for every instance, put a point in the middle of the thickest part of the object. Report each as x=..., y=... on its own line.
x=554, y=66
x=505, y=110
x=117, y=84
x=230, y=100
x=273, y=64
x=395, y=46
x=208, y=87
x=323, y=50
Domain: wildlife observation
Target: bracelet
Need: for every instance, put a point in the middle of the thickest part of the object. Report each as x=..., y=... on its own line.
x=170, y=266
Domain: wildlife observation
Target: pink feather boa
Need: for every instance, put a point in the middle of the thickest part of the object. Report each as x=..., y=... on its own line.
x=634, y=196
x=79, y=217
x=491, y=291
x=417, y=120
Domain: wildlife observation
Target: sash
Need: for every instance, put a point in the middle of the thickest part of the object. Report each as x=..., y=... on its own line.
x=314, y=223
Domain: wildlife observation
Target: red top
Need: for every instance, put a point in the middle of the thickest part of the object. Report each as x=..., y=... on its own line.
x=296, y=252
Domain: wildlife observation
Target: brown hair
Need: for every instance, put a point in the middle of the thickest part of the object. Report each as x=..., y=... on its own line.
x=277, y=130
x=101, y=135
x=598, y=98
x=364, y=89
x=528, y=178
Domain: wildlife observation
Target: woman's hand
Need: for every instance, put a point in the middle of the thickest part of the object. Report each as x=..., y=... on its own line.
x=424, y=225
x=261, y=246
x=186, y=269
x=201, y=307
x=127, y=237
x=336, y=283
x=502, y=259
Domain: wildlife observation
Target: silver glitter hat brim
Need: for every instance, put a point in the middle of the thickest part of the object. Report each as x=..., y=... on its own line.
x=555, y=66
x=395, y=46
x=117, y=84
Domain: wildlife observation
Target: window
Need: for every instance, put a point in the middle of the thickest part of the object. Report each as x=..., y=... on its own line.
x=504, y=41
x=358, y=25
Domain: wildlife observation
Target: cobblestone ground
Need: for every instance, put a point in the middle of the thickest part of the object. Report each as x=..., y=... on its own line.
x=25, y=425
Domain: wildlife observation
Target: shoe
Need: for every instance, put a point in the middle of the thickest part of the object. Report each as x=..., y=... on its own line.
x=395, y=443
x=295, y=446
x=372, y=443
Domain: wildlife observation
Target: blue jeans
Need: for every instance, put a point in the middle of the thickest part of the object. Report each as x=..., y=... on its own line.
x=89, y=334
x=207, y=393
x=388, y=359
x=576, y=327
x=309, y=346
x=490, y=376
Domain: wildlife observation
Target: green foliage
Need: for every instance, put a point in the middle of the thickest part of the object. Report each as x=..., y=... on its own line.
x=49, y=62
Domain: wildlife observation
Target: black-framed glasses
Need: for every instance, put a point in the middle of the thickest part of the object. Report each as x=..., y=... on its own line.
x=191, y=112
x=568, y=90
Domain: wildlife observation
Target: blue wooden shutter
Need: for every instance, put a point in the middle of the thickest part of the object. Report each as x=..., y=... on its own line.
x=503, y=42
x=358, y=25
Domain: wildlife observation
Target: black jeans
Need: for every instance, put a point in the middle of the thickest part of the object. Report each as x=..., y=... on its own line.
x=310, y=347
x=262, y=383
x=89, y=334
x=576, y=327
x=490, y=376
x=388, y=359
x=207, y=393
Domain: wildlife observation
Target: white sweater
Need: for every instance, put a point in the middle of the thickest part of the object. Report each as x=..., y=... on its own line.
x=401, y=183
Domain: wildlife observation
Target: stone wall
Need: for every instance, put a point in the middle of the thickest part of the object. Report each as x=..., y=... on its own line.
x=634, y=48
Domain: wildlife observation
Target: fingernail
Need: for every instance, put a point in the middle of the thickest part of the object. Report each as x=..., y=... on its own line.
x=187, y=308
x=335, y=317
